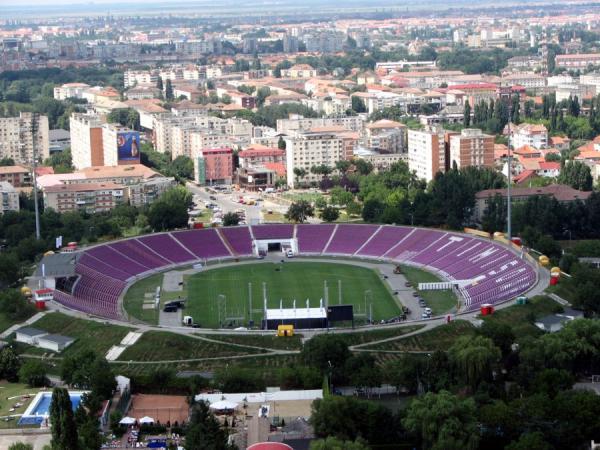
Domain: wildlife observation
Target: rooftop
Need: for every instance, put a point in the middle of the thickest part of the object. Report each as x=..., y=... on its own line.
x=82, y=187
x=560, y=192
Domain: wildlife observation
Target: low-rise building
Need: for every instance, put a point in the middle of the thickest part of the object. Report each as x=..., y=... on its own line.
x=16, y=176
x=213, y=166
x=472, y=148
x=534, y=135
x=88, y=197
x=562, y=193
x=9, y=196
x=70, y=90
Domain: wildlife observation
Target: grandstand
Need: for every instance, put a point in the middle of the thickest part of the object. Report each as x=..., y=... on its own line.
x=494, y=273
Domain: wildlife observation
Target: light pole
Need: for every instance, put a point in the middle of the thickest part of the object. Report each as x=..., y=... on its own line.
x=34, y=130
x=508, y=197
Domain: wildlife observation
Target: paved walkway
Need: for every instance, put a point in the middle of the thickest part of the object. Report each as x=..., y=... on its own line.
x=15, y=327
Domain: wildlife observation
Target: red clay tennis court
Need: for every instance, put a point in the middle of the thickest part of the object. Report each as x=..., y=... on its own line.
x=162, y=408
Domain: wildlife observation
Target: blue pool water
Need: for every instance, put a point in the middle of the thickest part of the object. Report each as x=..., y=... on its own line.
x=41, y=409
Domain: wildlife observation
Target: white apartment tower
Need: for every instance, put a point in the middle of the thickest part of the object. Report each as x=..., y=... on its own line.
x=308, y=149
x=19, y=135
x=426, y=152
x=86, y=141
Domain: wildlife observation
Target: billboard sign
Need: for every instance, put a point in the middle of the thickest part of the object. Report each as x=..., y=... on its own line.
x=128, y=146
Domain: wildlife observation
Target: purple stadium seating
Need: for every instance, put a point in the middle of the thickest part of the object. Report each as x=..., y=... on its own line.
x=239, y=239
x=313, y=238
x=276, y=231
x=385, y=239
x=347, y=239
x=491, y=272
x=205, y=244
x=166, y=246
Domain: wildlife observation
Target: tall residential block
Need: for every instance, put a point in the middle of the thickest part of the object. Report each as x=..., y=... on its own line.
x=308, y=149
x=86, y=141
x=20, y=136
x=121, y=145
x=471, y=148
x=426, y=152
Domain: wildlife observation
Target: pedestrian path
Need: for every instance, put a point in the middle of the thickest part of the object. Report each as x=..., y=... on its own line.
x=6, y=333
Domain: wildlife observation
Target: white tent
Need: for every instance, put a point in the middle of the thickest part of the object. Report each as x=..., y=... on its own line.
x=223, y=405
x=146, y=419
x=127, y=421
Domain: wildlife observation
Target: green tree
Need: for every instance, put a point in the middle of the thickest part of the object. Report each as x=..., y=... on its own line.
x=530, y=441
x=182, y=168
x=64, y=429
x=204, y=431
x=89, y=370
x=473, y=358
x=577, y=175
x=342, y=166
x=299, y=174
x=61, y=162
x=332, y=443
x=330, y=214
x=281, y=143
x=231, y=219
x=7, y=161
x=170, y=210
x=9, y=364
x=372, y=210
x=347, y=418
x=33, y=373
x=159, y=84
x=467, y=114
x=326, y=352
x=494, y=216
x=299, y=211
x=358, y=105
x=169, y=90
x=340, y=196
x=443, y=422
x=20, y=446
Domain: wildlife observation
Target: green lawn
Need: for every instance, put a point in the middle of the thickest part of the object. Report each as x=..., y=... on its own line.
x=7, y=392
x=6, y=322
x=162, y=345
x=295, y=280
x=90, y=335
x=440, y=338
x=135, y=296
x=273, y=341
x=440, y=302
x=520, y=317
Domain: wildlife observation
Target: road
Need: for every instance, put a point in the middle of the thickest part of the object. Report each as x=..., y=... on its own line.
x=225, y=202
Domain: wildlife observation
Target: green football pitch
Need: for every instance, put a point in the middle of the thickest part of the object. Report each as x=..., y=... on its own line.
x=223, y=295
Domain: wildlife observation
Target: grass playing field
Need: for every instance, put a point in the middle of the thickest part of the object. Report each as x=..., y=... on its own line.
x=286, y=282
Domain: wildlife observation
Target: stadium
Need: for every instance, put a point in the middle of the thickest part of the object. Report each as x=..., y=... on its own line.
x=240, y=275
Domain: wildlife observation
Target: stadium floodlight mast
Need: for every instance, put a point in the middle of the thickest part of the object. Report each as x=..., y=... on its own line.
x=34, y=130
x=508, y=197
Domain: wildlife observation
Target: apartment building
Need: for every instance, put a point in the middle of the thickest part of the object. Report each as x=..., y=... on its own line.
x=134, y=77
x=70, y=90
x=577, y=60
x=120, y=145
x=534, y=135
x=20, y=135
x=299, y=123
x=213, y=166
x=387, y=135
x=16, y=176
x=426, y=152
x=299, y=71
x=308, y=149
x=88, y=197
x=86, y=140
x=528, y=80
x=257, y=155
x=471, y=148
x=146, y=191
x=9, y=197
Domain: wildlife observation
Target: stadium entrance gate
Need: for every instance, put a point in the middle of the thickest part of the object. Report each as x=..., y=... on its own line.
x=263, y=246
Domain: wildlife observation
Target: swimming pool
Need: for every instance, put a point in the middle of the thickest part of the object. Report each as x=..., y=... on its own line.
x=39, y=408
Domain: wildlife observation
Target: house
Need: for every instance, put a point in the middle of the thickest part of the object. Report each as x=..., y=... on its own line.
x=29, y=335
x=556, y=322
x=54, y=342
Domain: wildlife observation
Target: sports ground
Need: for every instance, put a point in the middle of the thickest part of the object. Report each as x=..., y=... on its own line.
x=224, y=293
